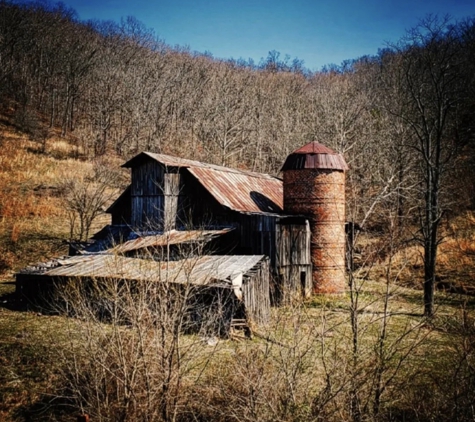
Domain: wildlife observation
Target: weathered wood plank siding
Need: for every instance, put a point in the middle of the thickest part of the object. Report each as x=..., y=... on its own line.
x=257, y=234
x=154, y=196
x=256, y=295
x=171, y=191
x=147, y=195
x=293, y=258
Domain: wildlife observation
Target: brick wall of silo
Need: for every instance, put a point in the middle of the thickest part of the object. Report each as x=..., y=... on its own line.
x=320, y=196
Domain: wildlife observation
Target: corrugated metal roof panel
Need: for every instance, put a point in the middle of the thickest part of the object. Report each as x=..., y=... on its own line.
x=241, y=191
x=172, y=237
x=315, y=156
x=200, y=271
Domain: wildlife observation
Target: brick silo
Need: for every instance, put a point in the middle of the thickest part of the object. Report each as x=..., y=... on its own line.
x=314, y=186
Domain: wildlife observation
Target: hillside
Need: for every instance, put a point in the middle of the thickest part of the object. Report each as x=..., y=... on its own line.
x=77, y=99
x=34, y=224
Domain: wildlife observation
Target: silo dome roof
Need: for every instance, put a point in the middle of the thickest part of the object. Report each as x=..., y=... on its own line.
x=315, y=156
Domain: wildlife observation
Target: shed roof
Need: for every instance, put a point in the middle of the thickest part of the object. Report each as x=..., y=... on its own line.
x=172, y=237
x=238, y=190
x=315, y=156
x=121, y=239
x=201, y=270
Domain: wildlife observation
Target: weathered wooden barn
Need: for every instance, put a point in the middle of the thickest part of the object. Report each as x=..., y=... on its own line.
x=176, y=207
x=169, y=193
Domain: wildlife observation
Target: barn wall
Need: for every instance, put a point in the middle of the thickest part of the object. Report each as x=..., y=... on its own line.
x=293, y=259
x=256, y=295
x=121, y=211
x=147, y=195
x=171, y=191
x=257, y=234
x=34, y=292
x=154, y=196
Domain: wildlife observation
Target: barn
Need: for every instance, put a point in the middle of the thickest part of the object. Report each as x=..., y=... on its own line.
x=174, y=207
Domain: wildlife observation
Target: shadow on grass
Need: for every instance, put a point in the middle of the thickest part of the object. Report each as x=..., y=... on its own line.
x=47, y=407
x=390, y=313
x=11, y=302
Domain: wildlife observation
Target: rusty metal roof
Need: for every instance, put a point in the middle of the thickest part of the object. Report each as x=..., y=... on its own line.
x=171, y=161
x=242, y=192
x=201, y=270
x=314, y=148
x=315, y=156
x=238, y=190
x=172, y=237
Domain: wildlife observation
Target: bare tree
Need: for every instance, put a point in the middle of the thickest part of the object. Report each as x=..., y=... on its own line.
x=428, y=64
x=86, y=198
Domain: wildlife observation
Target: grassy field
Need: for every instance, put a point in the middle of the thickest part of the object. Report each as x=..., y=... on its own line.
x=296, y=353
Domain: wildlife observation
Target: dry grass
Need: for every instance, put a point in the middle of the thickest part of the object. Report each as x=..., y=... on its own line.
x=455, y=258
x=283, y=364
x=28, y=369
x=33, y=223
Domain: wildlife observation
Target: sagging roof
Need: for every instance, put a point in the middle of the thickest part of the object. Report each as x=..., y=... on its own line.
x=122, y=239
x=315, y=156
x=201, y=270
x=238, y=190
x=172, y=237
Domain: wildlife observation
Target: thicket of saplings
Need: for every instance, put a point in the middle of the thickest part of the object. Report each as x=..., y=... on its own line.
x=149, y=351
x=403, y=120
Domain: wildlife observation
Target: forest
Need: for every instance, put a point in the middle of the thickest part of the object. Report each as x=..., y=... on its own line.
x=79, y=98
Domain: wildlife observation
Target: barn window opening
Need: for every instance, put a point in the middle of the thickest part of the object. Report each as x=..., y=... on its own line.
x=303, y=282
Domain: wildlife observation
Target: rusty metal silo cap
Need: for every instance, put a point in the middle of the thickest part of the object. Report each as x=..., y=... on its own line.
x=315, y=156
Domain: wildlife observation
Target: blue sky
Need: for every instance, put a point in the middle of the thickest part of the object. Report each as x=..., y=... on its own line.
x=319, y=32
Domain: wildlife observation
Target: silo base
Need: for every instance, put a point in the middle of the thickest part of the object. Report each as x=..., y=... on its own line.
x=329, y=281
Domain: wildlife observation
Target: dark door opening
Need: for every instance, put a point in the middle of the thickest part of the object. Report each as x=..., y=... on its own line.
x=303, y=283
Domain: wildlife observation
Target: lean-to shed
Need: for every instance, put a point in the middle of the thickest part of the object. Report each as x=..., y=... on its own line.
x=236, y=287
